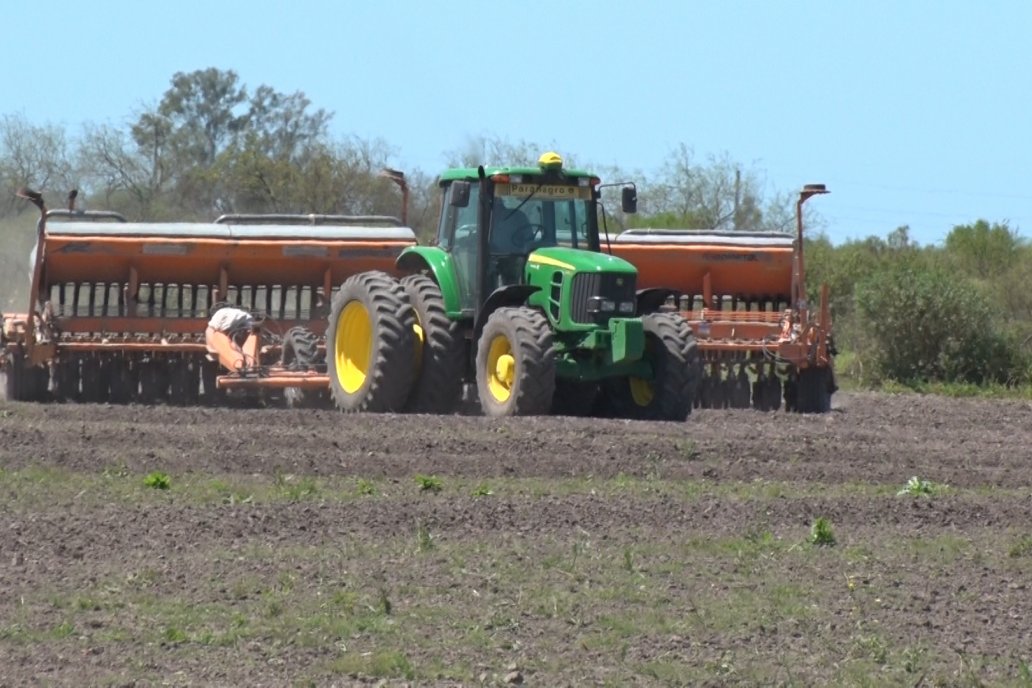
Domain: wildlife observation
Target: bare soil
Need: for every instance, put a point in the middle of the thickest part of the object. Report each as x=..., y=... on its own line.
x=931, y=590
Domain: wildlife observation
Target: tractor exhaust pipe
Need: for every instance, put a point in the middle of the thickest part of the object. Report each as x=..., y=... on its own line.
x=36, y=198
x=398, y=177
x=799, y=275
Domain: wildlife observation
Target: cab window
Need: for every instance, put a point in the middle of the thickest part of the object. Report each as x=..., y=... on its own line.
x=457, y=223
x=571, y=224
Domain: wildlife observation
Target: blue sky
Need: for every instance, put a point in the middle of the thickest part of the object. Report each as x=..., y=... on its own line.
x=911, y=112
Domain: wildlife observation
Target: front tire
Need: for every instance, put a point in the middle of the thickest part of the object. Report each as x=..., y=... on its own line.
x=671, y=349
x=370, y=344
x=516, y=363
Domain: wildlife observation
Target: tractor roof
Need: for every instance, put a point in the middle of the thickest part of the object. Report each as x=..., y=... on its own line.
x=548, y=163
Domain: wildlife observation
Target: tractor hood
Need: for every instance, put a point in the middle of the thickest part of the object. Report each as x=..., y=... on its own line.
x=576, y=260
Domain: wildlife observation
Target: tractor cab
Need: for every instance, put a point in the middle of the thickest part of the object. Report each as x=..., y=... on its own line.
x=508, y=213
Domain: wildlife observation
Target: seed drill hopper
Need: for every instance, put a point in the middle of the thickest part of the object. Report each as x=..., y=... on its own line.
x=744, y=295
x=130, y=311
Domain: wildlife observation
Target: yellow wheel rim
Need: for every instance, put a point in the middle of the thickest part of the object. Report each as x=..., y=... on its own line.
x=642, y=391
x=420, y=342
x=501, y=368
x=353, y=346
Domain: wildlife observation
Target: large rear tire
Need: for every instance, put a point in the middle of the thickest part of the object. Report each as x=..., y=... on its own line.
x=516, y=364
x=440, y=350
x=300, y=353
x=371, y=344
x=671, y=349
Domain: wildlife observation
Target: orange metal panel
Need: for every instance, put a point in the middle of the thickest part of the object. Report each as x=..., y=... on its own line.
x=736, y=331
x=734, y=316
x=72, y=325
x=199, y=261
x=157, y=326
x=764, y=271
x=157, y=347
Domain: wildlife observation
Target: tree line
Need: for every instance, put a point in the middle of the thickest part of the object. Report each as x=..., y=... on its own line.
x=213, y=145
x=956, y=313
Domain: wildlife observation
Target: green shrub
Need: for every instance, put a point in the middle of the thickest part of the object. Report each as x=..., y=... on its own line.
x=930, y=326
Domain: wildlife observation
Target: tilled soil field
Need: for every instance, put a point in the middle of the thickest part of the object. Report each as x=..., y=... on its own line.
x=201, y=546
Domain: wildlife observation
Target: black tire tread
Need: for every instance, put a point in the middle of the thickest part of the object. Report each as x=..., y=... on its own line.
x=678, y=371
x=300, y=349
x=531, y=338
x=390, y=375
x=300, y=352
x=438, y=388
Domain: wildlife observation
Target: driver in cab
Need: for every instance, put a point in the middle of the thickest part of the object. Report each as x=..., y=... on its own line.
x=512, y=239
x=511, y=229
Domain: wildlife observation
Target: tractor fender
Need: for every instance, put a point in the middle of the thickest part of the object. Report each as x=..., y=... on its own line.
x=439, y=266
x=652, y=300
x=512, y=295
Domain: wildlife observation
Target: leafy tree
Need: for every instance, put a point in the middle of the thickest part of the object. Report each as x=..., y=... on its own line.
x=210, y=147
x=982, y=250
x=927, y=325
x=281, y=127
x=35, y=156
x=342, y=178
x=899, y=239
x=129, y=179
x=1010, y=287
x=716, y=194
x=424, y=205
x=496, y=150
x=844, y=266
x=198, y=116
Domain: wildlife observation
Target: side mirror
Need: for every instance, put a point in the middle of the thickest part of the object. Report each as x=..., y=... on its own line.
x=629, y=199
x=460, y=194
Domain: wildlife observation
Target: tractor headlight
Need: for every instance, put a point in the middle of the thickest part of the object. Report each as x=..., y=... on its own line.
x=597, y=304
x=626, y=307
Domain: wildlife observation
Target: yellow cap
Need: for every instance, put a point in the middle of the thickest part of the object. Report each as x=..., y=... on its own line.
x=550, y=159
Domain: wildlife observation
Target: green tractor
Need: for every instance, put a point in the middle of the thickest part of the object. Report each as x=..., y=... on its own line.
x=517, y=296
